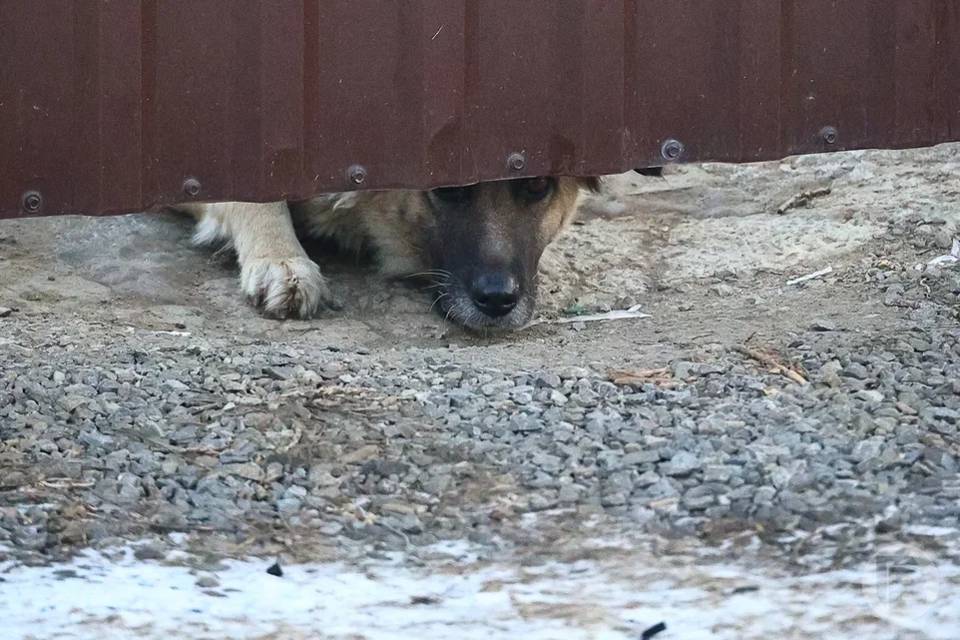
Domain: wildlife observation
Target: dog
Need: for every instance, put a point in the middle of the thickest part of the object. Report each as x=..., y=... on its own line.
x=478, y=246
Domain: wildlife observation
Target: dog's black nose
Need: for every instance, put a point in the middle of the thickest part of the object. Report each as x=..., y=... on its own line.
x=495, y=294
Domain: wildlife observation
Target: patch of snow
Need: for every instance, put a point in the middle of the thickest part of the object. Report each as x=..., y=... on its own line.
x=112, y=595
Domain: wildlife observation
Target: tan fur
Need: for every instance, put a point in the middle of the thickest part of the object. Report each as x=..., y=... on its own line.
x=279, y=278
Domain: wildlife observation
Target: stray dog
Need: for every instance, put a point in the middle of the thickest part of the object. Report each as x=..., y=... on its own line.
x=479, y=246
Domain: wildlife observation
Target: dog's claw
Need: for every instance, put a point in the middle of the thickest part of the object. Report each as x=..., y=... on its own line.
x=286, y=287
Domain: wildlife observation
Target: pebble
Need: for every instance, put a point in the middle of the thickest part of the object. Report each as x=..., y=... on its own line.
x=944, y=239
x=718, y=473
x=931, y=414
x=681, y=464
x=871, y=396
x=288, y=506
x=722, y=290
x=684, y=370
x=547, y=379
x=856, y=370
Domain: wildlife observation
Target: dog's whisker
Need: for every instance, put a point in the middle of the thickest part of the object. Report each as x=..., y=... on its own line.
x=446, y=317
x=438, y=299
x=441, y=273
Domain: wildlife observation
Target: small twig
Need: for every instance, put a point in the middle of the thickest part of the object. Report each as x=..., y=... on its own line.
x=659, y=377
x=394, y=530
x=811, y=276
x=66, y=484
x=297, y=436
x=775, y=367
x=802, y=199
x=633, y=313
x=207, y=451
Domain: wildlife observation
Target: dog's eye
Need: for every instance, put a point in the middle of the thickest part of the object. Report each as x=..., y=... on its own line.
x=535, y=189
x=453, y=195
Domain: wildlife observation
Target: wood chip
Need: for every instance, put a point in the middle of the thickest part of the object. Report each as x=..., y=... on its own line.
x=775, y=366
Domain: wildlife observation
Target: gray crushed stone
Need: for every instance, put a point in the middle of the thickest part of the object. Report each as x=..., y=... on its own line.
x=144, y=434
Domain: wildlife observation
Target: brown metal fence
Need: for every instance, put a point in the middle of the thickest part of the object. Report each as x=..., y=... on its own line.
x=109, y=106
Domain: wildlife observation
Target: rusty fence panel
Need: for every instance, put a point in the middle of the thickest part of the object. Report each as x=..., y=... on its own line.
x=111, y=106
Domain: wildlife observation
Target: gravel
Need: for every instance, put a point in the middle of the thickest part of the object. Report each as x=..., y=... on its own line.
x=163, y=434
x=119, y=423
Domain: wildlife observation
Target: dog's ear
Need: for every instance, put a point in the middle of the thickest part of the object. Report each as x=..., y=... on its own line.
x=591, y=184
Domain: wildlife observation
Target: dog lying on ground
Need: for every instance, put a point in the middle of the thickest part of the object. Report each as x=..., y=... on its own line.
x=479, y=246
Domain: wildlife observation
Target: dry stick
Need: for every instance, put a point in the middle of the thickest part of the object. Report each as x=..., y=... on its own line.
x=66, y=484
x=633, y=313
x=811, y=276
x=659, y=377
x=775, y=366
x=642, y=373
x=802, y=199
x=297, y=436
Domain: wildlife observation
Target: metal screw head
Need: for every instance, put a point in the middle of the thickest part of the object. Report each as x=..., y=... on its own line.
x=829, y=135
x=191, y=187
x=31, y=201
x=671, y=149
x=357, y=174
x=516, y=161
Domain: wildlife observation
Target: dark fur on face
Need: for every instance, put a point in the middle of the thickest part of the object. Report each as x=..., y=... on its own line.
x=485, y=243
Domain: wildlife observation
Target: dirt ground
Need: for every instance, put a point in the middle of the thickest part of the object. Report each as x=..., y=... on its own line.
x=702, y=250
x=731, y=336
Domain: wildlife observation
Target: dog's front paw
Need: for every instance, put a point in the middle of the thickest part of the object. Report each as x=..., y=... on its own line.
x=286, y=287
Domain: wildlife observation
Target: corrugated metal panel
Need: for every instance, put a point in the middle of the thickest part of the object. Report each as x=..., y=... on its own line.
x=113, y=105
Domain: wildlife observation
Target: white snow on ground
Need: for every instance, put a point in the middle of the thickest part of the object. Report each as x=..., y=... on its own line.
x=114, y=596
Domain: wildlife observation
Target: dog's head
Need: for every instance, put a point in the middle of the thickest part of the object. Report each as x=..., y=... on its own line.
x=480, y=245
